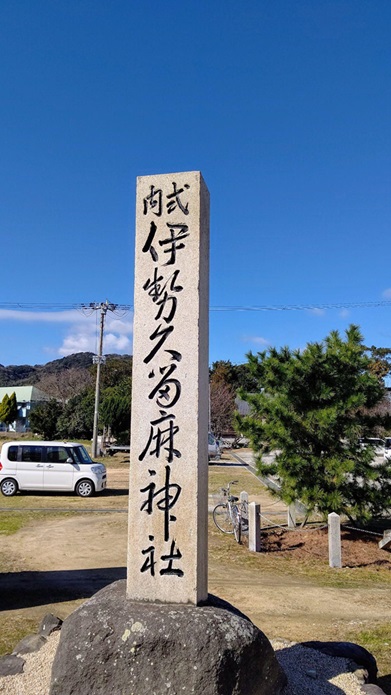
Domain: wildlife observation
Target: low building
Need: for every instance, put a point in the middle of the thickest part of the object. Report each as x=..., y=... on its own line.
x=27, y=398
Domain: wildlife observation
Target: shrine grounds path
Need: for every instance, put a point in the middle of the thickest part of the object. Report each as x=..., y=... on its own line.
x=57, y=550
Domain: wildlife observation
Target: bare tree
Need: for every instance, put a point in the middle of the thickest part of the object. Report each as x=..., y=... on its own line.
x=222, y=406
x=65, y=384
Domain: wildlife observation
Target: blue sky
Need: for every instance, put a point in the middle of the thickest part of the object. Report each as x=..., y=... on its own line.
x=284, y=106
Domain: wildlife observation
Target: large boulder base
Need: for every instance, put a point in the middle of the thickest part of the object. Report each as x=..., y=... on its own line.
x=113, y=645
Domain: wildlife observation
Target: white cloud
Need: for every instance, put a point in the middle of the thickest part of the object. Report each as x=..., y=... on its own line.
x=344, y=313
x=120, y=326
x=117, y=343
x=84, y=338
x=258, y=340
x=77, y=342
x=82, y=334
x=387, y=293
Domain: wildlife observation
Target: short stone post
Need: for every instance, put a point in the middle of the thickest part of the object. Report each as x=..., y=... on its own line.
x=292, y=515
x=243, y=497
x=254, y=527
x=334, y=525
x=243, y=501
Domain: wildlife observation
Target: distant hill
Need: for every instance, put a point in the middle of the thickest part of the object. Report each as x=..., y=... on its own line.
x=19, y=375
x=16, y=375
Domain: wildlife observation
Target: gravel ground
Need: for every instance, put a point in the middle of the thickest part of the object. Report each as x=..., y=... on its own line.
x=309, y=672
x=35, y=679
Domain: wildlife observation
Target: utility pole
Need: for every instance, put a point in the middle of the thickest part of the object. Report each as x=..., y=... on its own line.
x=99, y=359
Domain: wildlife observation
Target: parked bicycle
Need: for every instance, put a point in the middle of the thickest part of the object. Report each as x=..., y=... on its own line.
x=228, y=515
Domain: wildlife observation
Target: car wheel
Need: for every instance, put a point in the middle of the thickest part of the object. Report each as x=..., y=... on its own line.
x=85, y=488
x=9, y=487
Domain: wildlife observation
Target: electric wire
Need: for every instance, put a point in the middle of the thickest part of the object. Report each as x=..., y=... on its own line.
x=89, y=307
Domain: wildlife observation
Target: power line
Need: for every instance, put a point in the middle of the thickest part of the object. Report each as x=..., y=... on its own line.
x=89, y=307
x=304, y=307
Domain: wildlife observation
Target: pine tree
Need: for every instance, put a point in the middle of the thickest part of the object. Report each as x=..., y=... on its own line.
x=312, y=406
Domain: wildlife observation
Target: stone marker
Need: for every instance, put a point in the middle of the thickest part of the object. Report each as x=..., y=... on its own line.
x=167, y=540
x=334, y=524
x=292, y=515
x=243, y=502
x=254, y=527
x=243, y=497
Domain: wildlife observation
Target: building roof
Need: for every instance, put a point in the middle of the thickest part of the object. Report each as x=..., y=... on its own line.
x=28, y=394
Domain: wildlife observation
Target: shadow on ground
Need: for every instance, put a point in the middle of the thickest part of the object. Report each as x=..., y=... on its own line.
x=226, y=464
x=26, y=589
x=384, y=682
x=108, y=492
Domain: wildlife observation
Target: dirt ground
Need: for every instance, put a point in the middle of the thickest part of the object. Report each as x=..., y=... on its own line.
x=67, y=559
x=299, y=608
x=70, y=558
x=359, y=549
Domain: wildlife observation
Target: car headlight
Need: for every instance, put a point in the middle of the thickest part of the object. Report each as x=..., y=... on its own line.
x=97, y=469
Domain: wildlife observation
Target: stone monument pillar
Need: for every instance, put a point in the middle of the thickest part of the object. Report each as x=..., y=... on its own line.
x=167, y=540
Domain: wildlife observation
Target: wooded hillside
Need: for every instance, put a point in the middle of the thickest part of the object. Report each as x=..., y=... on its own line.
x=77, y=368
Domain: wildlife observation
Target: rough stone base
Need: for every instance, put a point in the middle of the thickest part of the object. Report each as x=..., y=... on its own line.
x=114, y=646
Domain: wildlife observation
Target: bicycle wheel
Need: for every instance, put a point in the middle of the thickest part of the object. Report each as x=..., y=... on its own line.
x=222, y=518
x=237, y=524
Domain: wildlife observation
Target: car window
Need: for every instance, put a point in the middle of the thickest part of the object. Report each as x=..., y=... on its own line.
x=57, y=454
x=80, y=454
x=12, y=453
x=32, y=453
